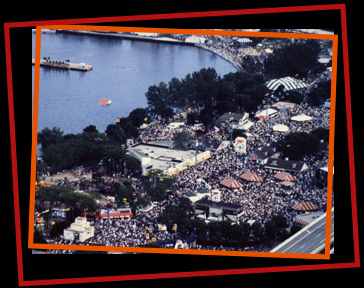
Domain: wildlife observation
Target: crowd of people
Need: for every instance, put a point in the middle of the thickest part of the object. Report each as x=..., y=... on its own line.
x=260, y=200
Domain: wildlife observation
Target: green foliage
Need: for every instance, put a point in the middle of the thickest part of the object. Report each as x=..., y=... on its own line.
x=180, y=214
x=115, y=133
x=206, y=91
x=74, y=150
x=320, y=93
x=49, y=136
x=159, y=101
x=297, y=145
x=133, y=165
x=123, y=191
x=275, y=229
x=57, y=229
x=157, y=186
x=183, y=141
x=91, y=129
x=295, y=59
x=138, y=116
x=67, y=196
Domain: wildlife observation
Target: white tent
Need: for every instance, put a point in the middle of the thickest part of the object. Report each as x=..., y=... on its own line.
x=280, y=128
x=284, y=105
x=301, y=118
x=175, y=125
x=244, y=40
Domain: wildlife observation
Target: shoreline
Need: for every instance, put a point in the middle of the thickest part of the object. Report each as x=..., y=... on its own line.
x=156, y=39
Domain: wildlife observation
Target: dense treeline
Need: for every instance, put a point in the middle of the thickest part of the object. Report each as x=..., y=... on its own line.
x=296, y=59
x=208, y=94
x=296, y=146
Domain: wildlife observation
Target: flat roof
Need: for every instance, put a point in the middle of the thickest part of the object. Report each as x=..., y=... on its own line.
x=161, y=157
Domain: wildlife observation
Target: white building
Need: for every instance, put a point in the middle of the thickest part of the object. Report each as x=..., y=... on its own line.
x=80, y=230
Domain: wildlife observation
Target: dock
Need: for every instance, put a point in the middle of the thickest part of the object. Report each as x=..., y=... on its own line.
x=46, y=62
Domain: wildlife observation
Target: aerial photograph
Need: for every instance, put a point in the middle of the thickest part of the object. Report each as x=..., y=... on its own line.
x=181, y=141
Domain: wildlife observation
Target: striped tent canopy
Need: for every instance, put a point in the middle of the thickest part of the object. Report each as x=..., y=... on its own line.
x=251, y=176
x=289, y=83
x=230, y=183
x=305, y=206
x=285, y=177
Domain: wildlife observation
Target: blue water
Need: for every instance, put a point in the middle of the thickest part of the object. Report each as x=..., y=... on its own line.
x=122, y=71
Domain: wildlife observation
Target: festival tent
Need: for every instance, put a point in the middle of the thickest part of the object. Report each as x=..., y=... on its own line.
x=285, y=176
x=301, y=118
x=280, y=128
x=251, y=177
x=284, y=105
x=289, y=83
x=305, y=206
x=244, y=40
x=175, y=125
x=287, y=183
x=230, y=183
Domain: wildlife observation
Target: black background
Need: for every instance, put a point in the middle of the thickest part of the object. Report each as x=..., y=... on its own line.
x=82, y=265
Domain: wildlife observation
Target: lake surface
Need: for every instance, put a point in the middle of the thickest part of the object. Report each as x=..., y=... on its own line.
x=122, y=71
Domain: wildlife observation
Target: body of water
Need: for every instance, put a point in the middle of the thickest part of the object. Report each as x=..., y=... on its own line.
x=122, y=72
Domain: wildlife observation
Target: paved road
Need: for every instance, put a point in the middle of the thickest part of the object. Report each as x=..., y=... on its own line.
x=310, y=239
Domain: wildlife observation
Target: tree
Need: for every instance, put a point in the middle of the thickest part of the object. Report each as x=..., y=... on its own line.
x=67, y=196
x=91, y=129
x=57, y=229
x=192, y=118
x=114, y=158
x=275, y=229
x=138, y=116
x=297, y=145
x=178, y=213
x=159, y=100
x=296, y=59
x=251, y=64
x=207, y=116
x=321, y=134
x=130, y=130
x=320, y=93
x=123, y=191
x=183, y=140
x=50, y=136
x=157, y=185
x=115, y=133
x=257, y=231
x=133, y=166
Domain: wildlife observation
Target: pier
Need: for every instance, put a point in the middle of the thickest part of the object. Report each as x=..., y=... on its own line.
x=47, y=62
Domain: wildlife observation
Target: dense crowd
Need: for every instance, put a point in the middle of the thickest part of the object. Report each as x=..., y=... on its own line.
x=259, y=201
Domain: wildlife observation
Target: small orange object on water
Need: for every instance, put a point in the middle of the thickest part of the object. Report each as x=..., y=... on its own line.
x=105, y=102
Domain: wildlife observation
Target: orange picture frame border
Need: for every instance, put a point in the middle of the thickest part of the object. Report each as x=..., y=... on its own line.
x=277, y=35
